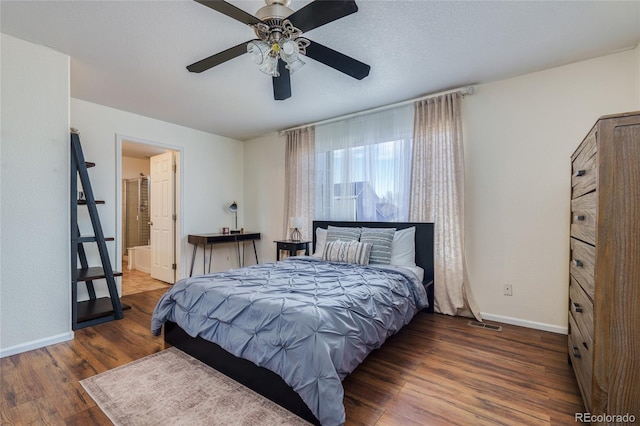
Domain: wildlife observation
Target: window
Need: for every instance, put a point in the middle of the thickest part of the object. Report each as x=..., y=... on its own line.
x=363, y=167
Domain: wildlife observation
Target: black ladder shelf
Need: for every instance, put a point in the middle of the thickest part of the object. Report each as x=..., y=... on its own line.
x=96, y=310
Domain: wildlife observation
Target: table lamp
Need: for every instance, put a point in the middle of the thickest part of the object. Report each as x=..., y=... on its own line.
x=296, y=223
x=233, y=208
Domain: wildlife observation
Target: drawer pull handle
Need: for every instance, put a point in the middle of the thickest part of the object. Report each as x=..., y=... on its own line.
x=581, y=173
x=585, y=345
x=577, y=307
x=579, y=217
x=576, y=352
x=577, y=263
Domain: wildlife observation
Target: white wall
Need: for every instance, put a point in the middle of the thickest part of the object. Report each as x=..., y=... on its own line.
x=264, y=190
x=519, y=135
x=638, y=72
x=212, y=173
x=132, y=167
x=35, y=279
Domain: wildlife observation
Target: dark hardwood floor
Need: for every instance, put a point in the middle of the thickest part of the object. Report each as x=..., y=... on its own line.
x=436, y=371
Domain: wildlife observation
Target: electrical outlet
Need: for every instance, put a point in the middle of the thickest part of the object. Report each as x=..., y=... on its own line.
x=508, y=290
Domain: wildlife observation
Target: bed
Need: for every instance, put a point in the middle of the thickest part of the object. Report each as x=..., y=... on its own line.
x=303, y=323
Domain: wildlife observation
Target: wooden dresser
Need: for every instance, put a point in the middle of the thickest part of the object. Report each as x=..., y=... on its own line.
x=604, y=289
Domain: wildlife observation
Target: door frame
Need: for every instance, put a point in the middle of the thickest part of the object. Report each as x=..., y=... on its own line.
x=179, y=229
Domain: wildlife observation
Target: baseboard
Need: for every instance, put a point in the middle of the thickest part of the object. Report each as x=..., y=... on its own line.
x=526, y=323
x=36, y=344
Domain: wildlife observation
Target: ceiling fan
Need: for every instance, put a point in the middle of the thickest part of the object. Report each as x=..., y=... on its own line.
x=280, y=43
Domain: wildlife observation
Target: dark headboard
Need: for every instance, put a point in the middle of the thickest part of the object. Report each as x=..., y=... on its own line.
x=424, y=244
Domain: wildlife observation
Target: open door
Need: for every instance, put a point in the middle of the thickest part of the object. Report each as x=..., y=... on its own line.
x=163, y=218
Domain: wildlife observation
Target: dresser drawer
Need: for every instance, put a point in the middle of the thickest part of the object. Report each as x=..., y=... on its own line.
x=581, y=361
x=582, y=266
x=583, y=218
x=581, y=308
x=583, y=167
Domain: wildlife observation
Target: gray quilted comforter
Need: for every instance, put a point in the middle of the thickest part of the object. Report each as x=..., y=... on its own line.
x=310, y=321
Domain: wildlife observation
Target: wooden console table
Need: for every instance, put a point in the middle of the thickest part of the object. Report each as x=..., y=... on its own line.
x=211, y=239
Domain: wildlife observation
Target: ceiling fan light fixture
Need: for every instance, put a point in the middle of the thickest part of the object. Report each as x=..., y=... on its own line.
x=289, y=47
x=289, y=52
x=293, y=66
x=270, y=66
x=258, y=50
x=279, y=43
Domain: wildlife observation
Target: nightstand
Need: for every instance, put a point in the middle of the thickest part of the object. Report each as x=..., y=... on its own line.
x=292, y=246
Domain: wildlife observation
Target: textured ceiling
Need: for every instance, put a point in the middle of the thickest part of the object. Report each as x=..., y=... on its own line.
x=132, y=55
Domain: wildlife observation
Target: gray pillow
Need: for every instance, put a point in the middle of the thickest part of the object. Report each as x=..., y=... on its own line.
x=381, y=240
x=342, y=233
x=347, y=252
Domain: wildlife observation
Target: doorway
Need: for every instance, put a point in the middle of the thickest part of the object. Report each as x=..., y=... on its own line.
x=148, y=262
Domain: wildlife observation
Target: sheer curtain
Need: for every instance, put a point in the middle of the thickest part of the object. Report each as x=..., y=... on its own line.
x=437, y=187
x=299, y=180
x=363, y=167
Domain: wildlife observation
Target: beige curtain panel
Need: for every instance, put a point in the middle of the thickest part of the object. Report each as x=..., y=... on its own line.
x=437, y=186
x=299, y=199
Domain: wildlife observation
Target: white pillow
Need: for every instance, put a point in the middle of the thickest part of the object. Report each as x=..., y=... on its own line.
x=403, y=247
x=321, y=241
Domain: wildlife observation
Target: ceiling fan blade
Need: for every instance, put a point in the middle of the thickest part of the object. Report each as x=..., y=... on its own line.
x=338, y=61
x=320, y=12
x=231, y=11
x=218, y=58
x=282, y=84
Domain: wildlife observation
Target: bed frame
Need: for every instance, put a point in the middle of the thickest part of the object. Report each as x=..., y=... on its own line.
x=266, y=382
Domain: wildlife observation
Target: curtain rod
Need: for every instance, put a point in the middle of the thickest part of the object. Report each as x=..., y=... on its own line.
x=463, y=90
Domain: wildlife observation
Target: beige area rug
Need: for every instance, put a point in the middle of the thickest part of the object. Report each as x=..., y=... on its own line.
x=173, y=388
